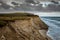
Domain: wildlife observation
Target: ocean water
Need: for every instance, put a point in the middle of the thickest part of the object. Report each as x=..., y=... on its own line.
x=54, y=27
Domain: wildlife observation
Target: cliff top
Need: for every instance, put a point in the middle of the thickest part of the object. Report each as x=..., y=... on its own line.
x=16, y=16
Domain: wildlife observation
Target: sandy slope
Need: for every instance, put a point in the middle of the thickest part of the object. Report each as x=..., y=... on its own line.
x=24, y=29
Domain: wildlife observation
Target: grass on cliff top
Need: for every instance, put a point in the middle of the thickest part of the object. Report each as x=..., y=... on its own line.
x=17, y=14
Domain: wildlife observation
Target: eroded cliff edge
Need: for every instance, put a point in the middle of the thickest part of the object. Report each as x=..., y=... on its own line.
x=18, y=26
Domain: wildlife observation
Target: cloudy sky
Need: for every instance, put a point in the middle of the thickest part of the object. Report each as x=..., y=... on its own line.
x=40, y=13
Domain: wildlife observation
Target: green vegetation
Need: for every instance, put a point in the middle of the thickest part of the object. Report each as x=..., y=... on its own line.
x=2, y=23
x=16, y=16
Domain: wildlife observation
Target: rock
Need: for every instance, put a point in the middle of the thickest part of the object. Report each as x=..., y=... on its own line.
x=24, y=27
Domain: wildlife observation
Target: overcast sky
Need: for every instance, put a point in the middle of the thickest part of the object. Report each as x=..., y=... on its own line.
x=35, y=12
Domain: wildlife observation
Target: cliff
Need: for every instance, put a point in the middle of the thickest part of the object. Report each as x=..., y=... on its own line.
x=22, y=27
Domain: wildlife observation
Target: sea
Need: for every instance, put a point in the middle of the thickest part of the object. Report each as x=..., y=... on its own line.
x=53, y=27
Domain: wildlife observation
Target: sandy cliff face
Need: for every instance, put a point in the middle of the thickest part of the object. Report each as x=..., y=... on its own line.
x=29, y=28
